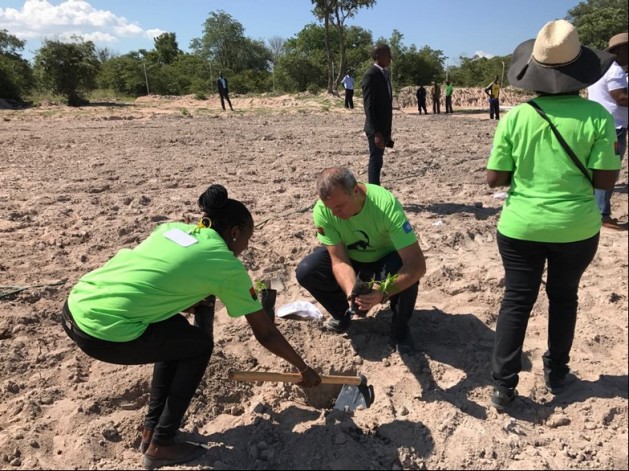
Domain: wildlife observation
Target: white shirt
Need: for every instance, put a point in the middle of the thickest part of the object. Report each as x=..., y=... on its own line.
x=614, y=79
x=348, y=82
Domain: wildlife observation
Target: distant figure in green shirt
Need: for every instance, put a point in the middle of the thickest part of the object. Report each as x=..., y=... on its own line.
x=449, y=90
x=129, y=312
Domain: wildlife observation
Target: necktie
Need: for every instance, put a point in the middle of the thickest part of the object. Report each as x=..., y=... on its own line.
x=386, y=76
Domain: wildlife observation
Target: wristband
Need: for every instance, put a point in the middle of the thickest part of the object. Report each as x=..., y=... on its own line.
x=304, y=370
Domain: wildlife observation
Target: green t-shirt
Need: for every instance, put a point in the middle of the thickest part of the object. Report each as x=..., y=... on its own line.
x=449, y=89
x=157, y=279
x=550, y=200
x=380, y=228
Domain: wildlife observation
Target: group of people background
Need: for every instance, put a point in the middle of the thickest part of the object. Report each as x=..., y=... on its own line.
x=435, y=96
x=132, y=309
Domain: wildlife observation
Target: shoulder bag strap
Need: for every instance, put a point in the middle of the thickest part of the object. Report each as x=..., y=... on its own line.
x=562, y=141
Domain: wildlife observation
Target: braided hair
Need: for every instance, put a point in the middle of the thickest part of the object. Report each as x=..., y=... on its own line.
x=223, y=212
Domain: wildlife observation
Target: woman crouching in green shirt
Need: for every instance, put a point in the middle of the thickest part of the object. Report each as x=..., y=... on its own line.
x=550, y=215
x=128, y=312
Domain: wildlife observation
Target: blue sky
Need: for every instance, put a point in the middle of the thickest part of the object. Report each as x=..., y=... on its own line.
x=457, y=27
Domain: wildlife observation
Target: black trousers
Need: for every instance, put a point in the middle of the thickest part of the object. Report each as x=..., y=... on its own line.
x=225, y=96
x=524, y=263
x=421, y=105
x=448, y=104
x=349, y=98
x=181, y=353
x=376, y=160
x=315, y=274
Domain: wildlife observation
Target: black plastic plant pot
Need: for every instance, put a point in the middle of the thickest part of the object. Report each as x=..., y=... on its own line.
x=267, y=298
x=362, y=285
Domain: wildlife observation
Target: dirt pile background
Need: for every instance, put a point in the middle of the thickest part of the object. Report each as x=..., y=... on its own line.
x=78, y=185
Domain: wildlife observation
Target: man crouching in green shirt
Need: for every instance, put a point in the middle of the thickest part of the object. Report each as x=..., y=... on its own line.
x=364, y=231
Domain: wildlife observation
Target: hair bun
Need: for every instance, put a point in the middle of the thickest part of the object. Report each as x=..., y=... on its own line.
x=215, y=197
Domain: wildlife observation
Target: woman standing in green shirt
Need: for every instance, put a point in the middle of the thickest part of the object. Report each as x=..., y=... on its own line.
x=128, y=312
x=550, y=215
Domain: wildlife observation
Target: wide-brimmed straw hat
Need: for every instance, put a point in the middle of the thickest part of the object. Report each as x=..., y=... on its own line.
x=618, y=40
x=556, y=62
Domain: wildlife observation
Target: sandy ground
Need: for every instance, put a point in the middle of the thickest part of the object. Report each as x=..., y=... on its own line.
x=78, y=185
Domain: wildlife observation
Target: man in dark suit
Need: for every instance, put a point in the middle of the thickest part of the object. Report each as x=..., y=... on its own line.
x=378, y=104
x=223, y=91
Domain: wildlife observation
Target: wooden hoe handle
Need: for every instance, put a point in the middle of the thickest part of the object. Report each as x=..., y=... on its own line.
x=239, y=375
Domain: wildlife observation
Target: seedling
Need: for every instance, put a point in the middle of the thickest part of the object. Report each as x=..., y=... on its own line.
x=267, y=297
x=385, y=286
x=260, y=286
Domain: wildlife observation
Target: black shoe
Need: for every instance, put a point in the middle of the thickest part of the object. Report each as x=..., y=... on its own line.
x=340, y=325
x=559, y=386
x=501, y=398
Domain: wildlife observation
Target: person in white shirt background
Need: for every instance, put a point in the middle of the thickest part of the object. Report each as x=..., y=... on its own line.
x=348, y=83
x=611, y=92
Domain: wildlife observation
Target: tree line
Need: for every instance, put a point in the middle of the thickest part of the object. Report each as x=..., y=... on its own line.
x=316, y=58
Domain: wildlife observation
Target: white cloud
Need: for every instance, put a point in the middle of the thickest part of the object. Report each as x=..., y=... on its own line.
x=483, y=54
x=153, y=33
x=41, y=18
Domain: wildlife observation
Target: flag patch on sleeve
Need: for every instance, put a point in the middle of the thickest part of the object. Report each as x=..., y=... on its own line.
x=407, y=227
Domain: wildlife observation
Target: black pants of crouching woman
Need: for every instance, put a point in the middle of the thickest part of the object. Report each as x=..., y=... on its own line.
x=524, y=263
x=180, y=352
x=315, y=274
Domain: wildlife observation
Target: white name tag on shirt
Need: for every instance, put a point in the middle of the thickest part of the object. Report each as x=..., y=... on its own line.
x=179, y=237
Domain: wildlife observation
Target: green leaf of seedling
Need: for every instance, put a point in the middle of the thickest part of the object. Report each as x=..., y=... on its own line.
x=259, y=286
x=387, y=284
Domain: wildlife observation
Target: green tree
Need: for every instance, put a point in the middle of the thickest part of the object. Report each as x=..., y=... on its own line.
x=598, y=20
x=335, y=13
x=68, y=69
x=307, y=49
x=223, y=43
x=166, y=47
x=124, y=75
x=276, y=46
x=16, y=75
x=479, y=71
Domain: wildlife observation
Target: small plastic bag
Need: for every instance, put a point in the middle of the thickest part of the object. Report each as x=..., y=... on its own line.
x=302, y=310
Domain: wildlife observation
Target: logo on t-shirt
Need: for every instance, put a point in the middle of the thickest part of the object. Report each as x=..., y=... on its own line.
x=407, y=227
x=253, y=293
x=360, y=244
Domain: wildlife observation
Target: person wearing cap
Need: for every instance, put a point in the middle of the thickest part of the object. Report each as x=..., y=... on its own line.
x=348, y=84
x=550, y=218
x=611, y=92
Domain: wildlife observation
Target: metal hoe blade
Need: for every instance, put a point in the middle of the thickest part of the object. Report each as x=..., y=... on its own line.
x=354, y=397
